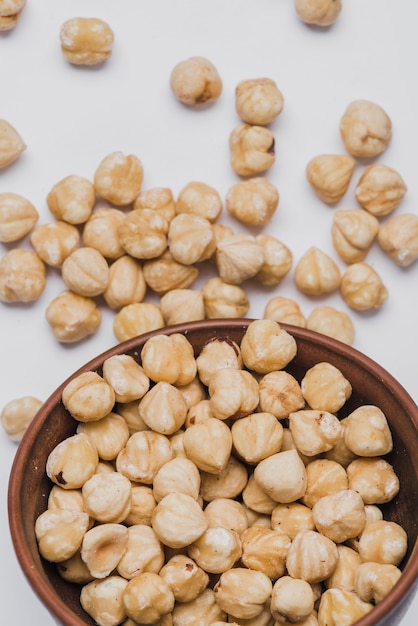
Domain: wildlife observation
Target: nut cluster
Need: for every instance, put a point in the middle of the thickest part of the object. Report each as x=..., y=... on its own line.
x=366, y=131
x=113, y=240
x=192, y=478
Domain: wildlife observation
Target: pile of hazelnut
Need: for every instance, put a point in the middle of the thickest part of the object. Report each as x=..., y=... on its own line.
x=217, y=488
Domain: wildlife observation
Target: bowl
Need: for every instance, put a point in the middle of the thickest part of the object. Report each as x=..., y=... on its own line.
x=29, y=486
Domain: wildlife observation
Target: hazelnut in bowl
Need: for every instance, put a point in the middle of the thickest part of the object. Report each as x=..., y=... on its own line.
x=214, y=471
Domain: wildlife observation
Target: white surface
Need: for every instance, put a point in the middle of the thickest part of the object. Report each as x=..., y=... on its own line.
x=72, y=117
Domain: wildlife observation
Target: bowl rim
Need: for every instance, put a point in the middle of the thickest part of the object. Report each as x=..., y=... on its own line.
x=407, y=584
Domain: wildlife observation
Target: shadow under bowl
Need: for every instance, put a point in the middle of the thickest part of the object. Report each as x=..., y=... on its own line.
x=29, y=485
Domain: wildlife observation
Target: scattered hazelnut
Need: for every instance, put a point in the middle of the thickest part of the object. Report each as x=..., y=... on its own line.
x=365, y=128
x=86, y=41
x=195, y=81
x=329, y=175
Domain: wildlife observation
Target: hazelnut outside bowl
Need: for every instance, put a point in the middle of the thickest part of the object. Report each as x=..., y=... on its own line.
x=29, y=486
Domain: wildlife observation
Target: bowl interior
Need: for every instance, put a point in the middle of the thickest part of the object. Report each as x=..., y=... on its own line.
x=29, y=486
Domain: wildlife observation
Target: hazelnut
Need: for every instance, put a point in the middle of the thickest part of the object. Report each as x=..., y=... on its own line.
x=22, y=276
x=11, y=143
x=353, y=232
x=318, y=12
x=253, y=201
x=86, y=41
x=316, y=273
x=195, y=81
x=380, y=189
x=258, y=101
x=17, y=217
x=238, y=258
x=331, y=322
x=199, y=199
x=252, y=149
x=329, y=175
x=118, y=178
x=365, y=128
x=362, y=288
x=398, y=237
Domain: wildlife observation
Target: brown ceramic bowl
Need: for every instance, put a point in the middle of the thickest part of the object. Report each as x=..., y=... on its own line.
x=29, y=485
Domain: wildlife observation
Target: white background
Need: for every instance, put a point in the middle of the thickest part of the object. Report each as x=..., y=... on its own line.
x=72, y=117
